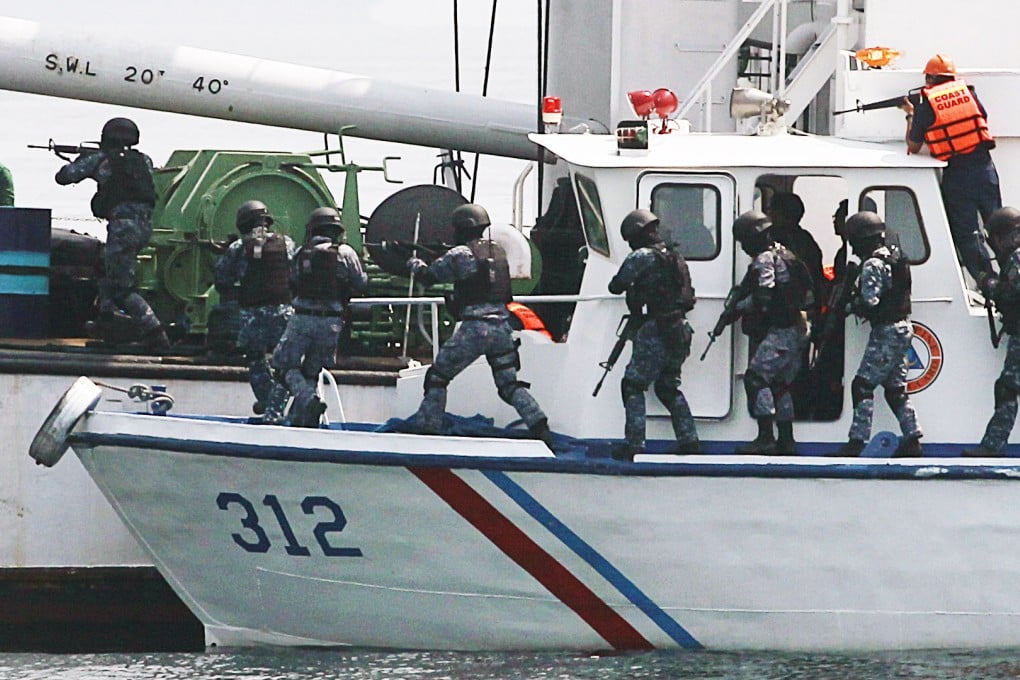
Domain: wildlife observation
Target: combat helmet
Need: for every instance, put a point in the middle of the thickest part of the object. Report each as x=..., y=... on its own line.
x=118, y=133
x=864, y=224
x=324, y=221
x=638, y=222
x=250, y=214
x=1002, y=227
x=750, y=224
x=468, y=221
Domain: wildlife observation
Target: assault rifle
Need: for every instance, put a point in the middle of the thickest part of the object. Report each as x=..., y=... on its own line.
x=625, y=331
x=840, y=297
x=994, y=334
x=729, y=312
x=913, y=95
x=63, y=150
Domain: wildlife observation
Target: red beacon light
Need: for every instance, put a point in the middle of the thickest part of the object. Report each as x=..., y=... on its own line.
x=664, y=102
x=552, y=113
x=642, y=103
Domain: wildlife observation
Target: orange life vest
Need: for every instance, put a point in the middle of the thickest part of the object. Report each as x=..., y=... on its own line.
x=959, y=126
x=528, y=318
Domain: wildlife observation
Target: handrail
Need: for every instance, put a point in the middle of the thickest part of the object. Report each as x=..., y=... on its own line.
x=728, y=53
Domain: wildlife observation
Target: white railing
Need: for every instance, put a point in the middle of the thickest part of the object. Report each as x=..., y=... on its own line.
x=435, y=302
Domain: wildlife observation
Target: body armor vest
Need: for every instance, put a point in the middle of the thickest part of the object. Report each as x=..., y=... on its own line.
x=791, y=296
x=130, y=182
x=959, y=126
x=317, y=278
x=666, y=287
x=491, y=281
x=1007, y=302
x=266, y=279
x=894, y=305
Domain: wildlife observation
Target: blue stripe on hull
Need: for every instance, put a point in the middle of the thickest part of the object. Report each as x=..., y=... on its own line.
x=583, y=550
x=11, y=284
x=24, y=258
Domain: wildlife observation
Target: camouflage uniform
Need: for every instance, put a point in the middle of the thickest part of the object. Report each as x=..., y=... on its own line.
x=484, y=329
x=309, y=343
x=885, y=357
x=659, y=347
x=6, y=186
x=776, y=358
x=261, y=327
x=1007, y=299
x=128, y=230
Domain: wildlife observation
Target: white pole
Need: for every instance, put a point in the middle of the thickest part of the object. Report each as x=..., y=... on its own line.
x=410, y=288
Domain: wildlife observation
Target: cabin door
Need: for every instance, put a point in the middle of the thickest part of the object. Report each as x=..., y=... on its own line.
x=695, y=213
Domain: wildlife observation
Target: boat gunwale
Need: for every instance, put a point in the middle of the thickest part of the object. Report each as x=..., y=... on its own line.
x=723, y=466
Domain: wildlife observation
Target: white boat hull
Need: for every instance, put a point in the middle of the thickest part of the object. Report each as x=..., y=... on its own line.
x=495, y=545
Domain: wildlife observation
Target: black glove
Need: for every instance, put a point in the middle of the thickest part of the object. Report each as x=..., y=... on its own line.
x=987, y=283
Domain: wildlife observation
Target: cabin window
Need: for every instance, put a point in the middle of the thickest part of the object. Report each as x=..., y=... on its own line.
x=898, y=207
x=689, y=218
x=591, y=214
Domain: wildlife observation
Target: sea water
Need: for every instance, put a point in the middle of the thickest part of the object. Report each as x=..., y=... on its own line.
x=304, y=664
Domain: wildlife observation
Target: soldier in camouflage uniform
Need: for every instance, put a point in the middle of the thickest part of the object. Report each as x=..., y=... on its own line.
x=255, y=271
x=883, y=298
x=125, y=198
x=480, y=274
x=326, y=274
x=1004, y=236
x=656, y=278
x=770, y=301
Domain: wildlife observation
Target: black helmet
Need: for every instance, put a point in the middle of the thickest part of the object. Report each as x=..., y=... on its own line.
x=637, y=222
x=118, y=133
x=1003, y=221
x=324, y=222
x=750, y=224
x=469, y=216
x=864, y=224
x=250, y=213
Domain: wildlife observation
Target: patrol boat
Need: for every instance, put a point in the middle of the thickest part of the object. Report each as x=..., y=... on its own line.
x=577, y=551
x=356, y=535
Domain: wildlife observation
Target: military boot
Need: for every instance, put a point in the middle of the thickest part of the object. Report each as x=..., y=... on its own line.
x=765, y=443
x=980, y=452
x=625, y=452
x=910, y=447
x=786, y=446
x=686, y=447
x=852, y=449
x=540, y=430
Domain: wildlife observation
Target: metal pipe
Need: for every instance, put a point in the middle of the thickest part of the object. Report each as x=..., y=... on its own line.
x=63, y=63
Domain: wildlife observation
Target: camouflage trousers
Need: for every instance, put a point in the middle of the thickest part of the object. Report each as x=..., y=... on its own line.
x=308, y=345
x=260, y=332
x=125, y=238
x=885, y=363
x=652, y=360
x=1006, y=388
x=774, y=363
x=492, y=337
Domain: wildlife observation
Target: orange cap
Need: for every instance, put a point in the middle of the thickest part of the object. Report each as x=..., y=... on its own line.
x=940, y=65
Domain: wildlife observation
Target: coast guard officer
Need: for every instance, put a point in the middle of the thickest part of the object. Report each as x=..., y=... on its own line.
x=883, y=299
x=125, y=198
x=255, y=270
x=657, y=279
x=1004, y=237
x=326, y=274
x=480, y=274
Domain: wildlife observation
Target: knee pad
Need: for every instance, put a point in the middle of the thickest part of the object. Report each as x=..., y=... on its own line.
x=1004, y=393
x=631, y=388
x=753, y=384
x=896, y=397
x=435, y=380
x=507, y=390
x=861, y=389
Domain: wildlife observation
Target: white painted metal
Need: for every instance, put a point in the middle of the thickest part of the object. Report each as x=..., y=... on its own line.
x=63, y=63
x=809, y=559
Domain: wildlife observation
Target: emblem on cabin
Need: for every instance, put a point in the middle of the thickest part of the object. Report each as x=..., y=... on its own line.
x=924, y=359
